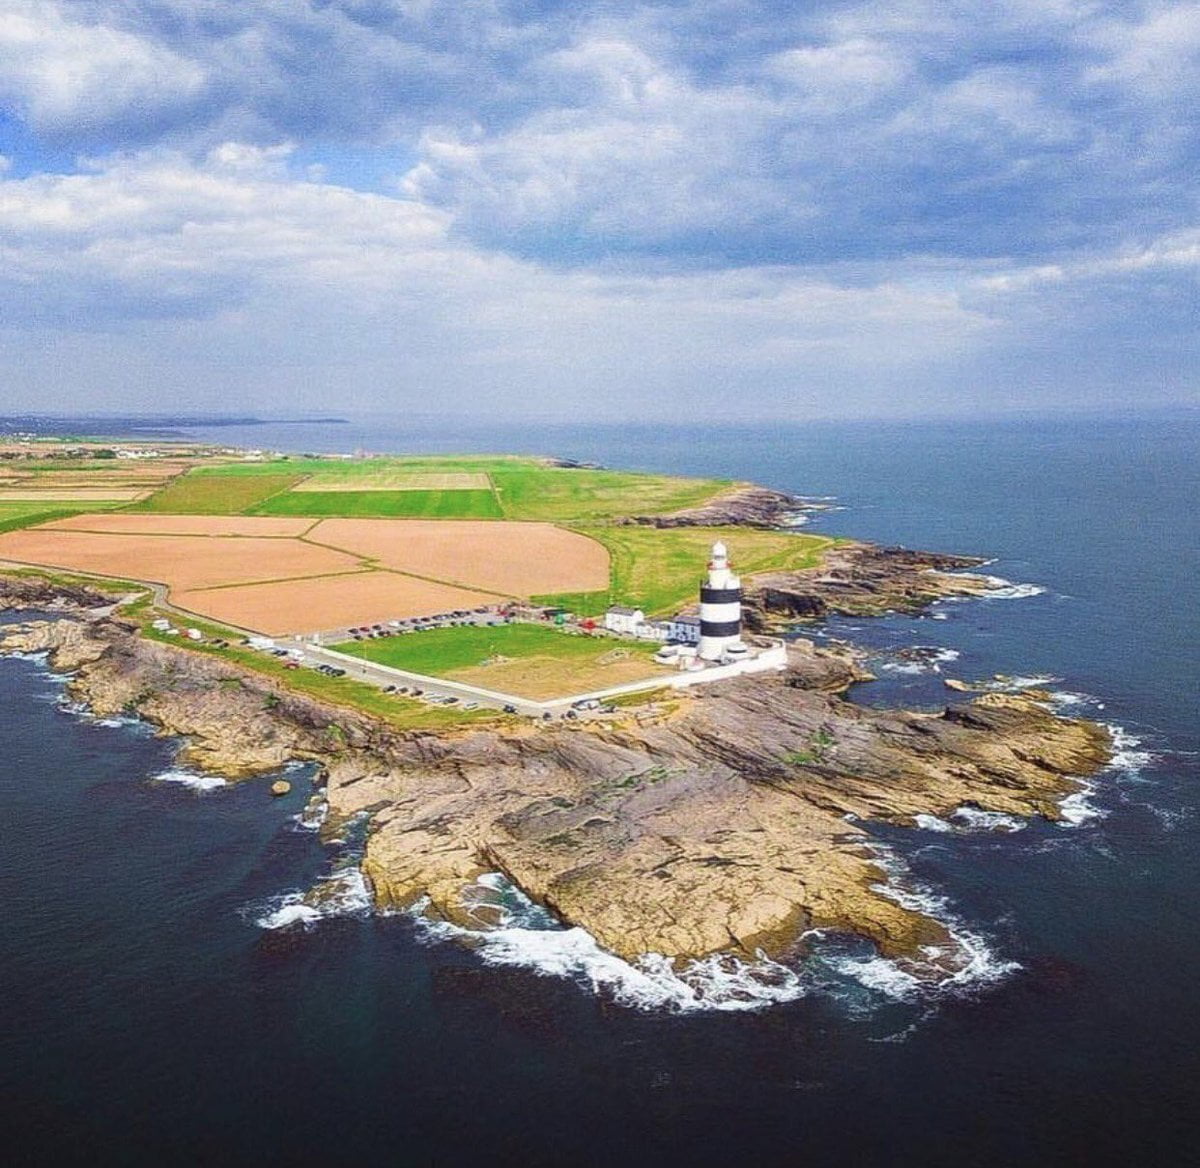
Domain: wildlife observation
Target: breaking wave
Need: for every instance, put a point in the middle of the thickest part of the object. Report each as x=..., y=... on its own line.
x=343, y=893
x=967, y=964
x=515, y=932
x=190, y=779
x=1001, y=589
x=966, y=819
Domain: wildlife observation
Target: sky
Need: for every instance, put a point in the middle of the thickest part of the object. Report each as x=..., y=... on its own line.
x=718, y=209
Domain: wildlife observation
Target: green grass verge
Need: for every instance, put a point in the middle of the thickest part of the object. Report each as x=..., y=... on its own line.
x=442, y=651
x=383, y=504
x=659, y=569
x=17, y=515
x=211, y=491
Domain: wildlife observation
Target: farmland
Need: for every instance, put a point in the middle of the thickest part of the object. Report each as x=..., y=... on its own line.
x=483, y=487
x=213, y=492
x=403, y=504
x=279, y=575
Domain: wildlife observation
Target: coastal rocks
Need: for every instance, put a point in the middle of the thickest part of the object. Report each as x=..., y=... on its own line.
x=281, y=787
x=734, y=818
x=737, y=825
x=39, y=592
x=742, y=506
x=857, y=579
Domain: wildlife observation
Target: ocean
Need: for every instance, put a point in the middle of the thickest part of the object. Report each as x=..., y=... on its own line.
x=167, y=1000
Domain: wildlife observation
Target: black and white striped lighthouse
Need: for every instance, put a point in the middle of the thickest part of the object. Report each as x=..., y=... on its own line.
x=720, y=607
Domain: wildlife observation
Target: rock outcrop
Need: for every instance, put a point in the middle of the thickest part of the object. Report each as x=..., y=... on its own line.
x=857, y=579
x=742, y=506
x=732, y=818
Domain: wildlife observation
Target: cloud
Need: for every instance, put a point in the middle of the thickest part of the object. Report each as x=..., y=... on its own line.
x=62, y=74
x=541, y=206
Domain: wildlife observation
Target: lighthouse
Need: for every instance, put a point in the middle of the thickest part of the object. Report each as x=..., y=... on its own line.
x=720, y=607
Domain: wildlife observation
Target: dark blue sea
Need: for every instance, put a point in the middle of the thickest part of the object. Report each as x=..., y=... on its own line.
x=152, y=1015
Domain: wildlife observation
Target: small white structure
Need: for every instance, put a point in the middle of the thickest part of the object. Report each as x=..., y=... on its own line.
x=194, y=635
x=720, y=606
x=653, y=630
x=619, y=619
x=684, y=629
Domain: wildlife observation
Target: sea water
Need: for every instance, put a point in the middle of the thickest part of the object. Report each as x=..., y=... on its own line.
x=188, y=975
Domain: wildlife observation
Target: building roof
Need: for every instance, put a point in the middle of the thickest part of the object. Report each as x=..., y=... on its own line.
x=621, y=610
x=685, y=619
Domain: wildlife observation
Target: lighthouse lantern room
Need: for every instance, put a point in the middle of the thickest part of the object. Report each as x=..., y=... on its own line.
x=720, y=607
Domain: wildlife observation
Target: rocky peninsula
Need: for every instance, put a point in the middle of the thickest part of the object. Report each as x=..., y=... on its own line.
x=730, y=819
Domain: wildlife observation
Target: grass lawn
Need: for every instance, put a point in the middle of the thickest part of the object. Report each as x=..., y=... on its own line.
x=659, y=569
x=214, y=492
x=528, y=660
x=382, y=504
x=556, y=493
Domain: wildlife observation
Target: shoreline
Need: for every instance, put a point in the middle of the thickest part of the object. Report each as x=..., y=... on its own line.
x=742, y=782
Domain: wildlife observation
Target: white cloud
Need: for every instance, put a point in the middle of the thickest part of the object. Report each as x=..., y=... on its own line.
x=65, y=75
x=285, y=274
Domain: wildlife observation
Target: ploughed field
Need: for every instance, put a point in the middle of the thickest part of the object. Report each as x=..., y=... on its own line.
x=280, y=576
x=527, y=660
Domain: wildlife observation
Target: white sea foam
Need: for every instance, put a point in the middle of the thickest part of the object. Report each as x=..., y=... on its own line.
x=1009, y=684
x=963, y=965
x=1126, y=755
x=964, y=820
x=313, y=815
x=977, y=819
x=932, y=823
x=907, y=668
x=1077, y=809
x=194, y=782
x=524, y=936
x=1001, y=589
x=343, y=893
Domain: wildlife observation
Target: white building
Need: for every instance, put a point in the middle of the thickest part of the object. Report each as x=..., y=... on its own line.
x=720, y=607
x=619, y=619
x=653, y=630
x=684, y=629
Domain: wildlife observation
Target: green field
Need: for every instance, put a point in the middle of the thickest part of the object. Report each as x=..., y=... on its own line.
x=214, y=491
x=558, y=494
x=16, y=515
x=525, y=488
x=375, y=504
x=440, y=652
x=659, y=569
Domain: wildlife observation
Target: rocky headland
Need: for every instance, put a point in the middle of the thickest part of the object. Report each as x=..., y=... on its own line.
x=744, y=505
x=730, y=819
x=860, y=579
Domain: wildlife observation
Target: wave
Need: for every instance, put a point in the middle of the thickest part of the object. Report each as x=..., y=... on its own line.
x=965, y=819
x=921, y=659
x=514, y=932
x=1001, y=589
x=1127, y=757
x=965, y=965
x=194, y=782
x=312, y=817
x=1077, y=809
x=344, y=893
